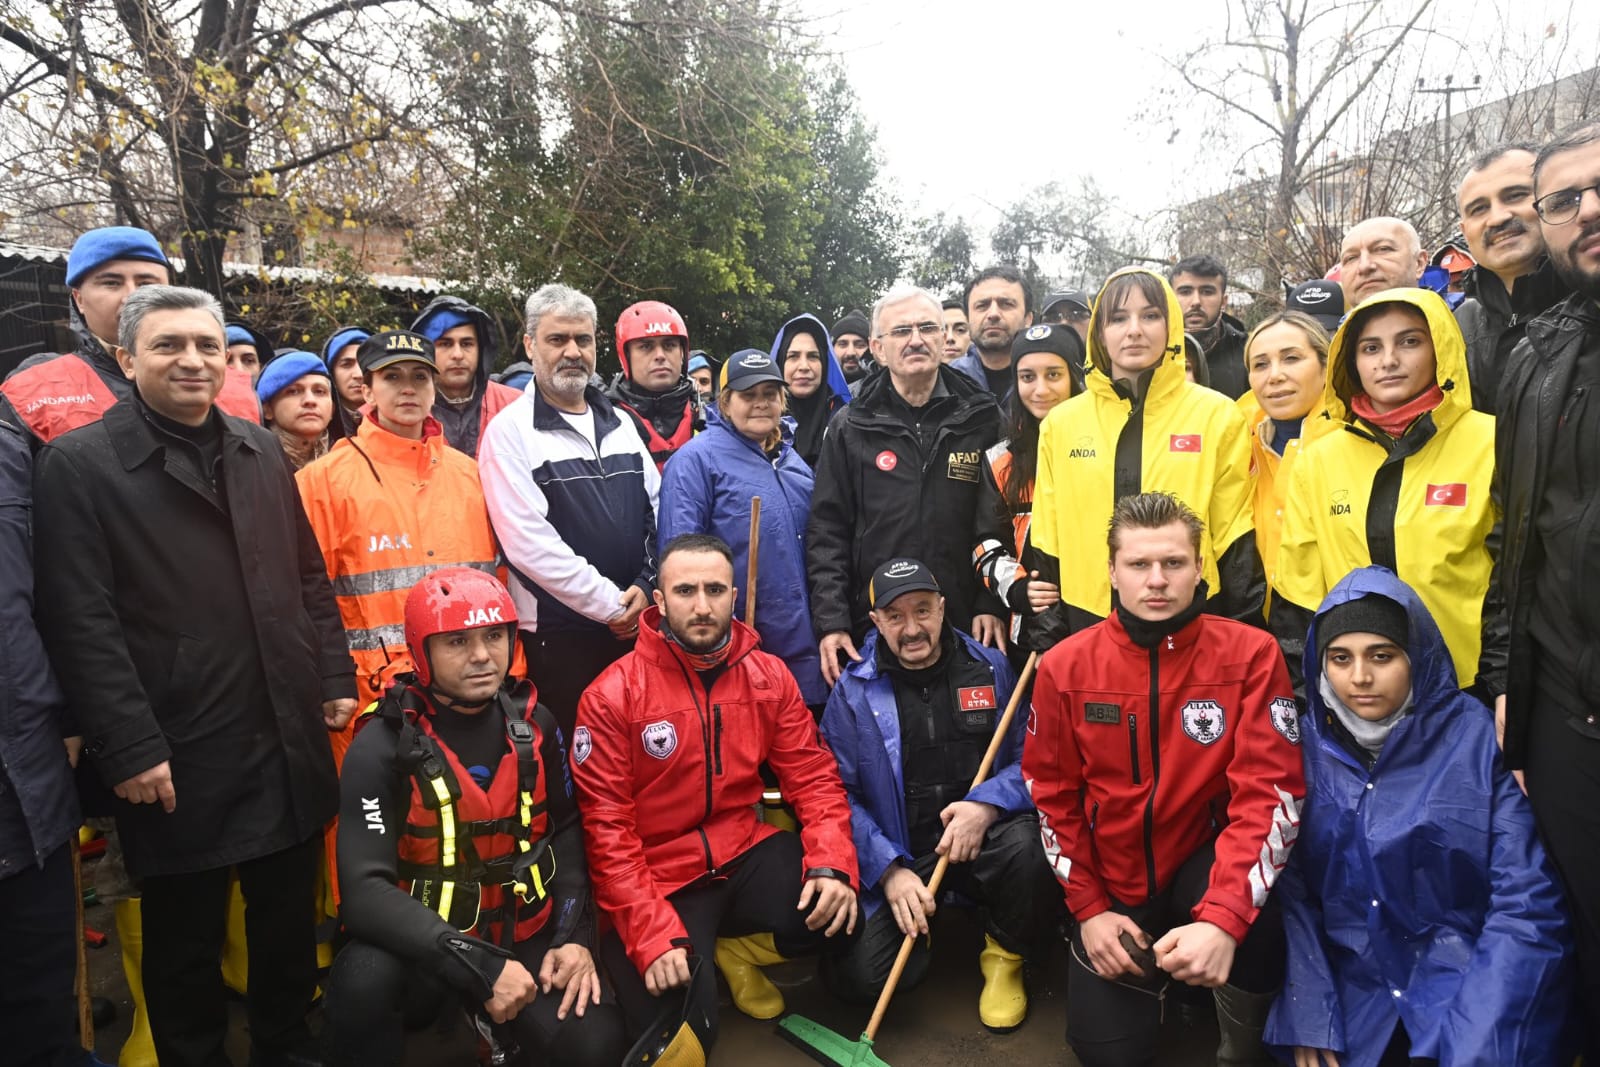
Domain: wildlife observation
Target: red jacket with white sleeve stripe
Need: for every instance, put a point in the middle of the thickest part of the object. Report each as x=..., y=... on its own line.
x=1137, y=757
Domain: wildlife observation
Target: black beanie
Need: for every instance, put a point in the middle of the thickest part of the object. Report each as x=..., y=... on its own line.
x=1370, y=614
x=854, y=322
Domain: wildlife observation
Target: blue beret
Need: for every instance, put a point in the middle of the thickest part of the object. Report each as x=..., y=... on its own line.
x=350, y=335
x=698, y=362
x=98, y=247
x=434, y=326
x=240, y=335
x=284, y=371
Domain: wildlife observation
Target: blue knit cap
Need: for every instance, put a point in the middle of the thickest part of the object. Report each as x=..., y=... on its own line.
x=284, y=371
x=239, y=335
x=435, y=326
x=98, y=247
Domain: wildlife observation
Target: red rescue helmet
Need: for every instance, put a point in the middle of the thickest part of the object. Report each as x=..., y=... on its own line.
x=453, y=598
x=648, y=318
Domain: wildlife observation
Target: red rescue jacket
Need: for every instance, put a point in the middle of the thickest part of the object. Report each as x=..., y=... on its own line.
x=1138, y=757
x=667, y=778
x=63, y=393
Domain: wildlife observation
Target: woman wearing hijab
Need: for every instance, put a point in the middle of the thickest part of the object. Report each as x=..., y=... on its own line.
x=803, y=352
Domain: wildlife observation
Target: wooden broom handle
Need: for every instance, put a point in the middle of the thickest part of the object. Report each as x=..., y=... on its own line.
x=750, y=571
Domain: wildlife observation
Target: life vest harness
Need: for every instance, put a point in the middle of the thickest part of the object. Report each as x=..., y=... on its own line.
x=510, y=891
x=662, y=448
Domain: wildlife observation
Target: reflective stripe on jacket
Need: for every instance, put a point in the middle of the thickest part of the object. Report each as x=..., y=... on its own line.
x=1420, y=506
x=387, y=511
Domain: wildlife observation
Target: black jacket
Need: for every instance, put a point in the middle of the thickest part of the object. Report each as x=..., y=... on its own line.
x=38, y=807
x=877, y=497
x=1532, y=395
x=1492, y=321
x=190, y=619
x=1225, y=358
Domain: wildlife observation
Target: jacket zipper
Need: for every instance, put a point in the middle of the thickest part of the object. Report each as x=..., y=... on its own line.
x=1155, y=774
x=716, y=717
x=1133, y=744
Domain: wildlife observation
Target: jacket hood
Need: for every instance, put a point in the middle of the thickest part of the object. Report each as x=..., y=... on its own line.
x=1449, y=351
x=1433, y=673
x=488, y=337
x=833, y=375
x=715, y=420
x=1171, y=373
x=344, y=335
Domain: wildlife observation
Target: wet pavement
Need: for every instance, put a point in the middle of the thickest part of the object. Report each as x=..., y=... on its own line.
x=935, y=1025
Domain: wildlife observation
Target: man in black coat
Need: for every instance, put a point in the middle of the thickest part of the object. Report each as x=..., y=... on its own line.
x=38, y=808
x=1541, y=623
x=184, y=604
x=899, y=476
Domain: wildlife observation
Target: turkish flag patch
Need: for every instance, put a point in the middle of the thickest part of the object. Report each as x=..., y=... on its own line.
x=887, y=460
x=976, y=697
x=1451, y=494
x=1184, y=442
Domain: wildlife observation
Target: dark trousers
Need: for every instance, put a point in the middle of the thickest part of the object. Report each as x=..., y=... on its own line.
x=562, y=663
x=38, y=927
x=1009, y=880
x=1113, y=1024
x=183, y=917
x=374, y=997
x=757, y=895
x=1563, y=776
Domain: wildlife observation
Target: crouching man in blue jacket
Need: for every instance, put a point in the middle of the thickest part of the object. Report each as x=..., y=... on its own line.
x=1424, y=920
x=909, y=724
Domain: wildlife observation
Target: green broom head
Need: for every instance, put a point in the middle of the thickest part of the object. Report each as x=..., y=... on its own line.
x=827, y=1047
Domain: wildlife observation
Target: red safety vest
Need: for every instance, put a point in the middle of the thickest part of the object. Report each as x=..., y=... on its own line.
x=63, y=394
x=466, y=853
x=662, y=448
x=58, y=396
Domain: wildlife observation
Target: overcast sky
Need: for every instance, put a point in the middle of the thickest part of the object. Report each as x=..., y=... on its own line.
x=977, y=101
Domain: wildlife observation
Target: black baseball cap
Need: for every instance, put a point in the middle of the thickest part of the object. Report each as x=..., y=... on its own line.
x=394, y=346
x=897, y=577
x=1065, y=296
x=1321, y=299
x=749, y=367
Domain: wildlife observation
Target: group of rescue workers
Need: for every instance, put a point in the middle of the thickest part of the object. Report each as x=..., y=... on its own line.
x=431, y=690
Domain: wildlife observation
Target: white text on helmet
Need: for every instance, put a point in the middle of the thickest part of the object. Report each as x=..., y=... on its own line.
x=482, y=617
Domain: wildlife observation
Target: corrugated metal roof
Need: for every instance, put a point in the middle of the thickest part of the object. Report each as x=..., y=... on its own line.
x=405, y=283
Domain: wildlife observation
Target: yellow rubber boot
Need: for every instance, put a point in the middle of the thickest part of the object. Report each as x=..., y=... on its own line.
x=740, y=959
x=140, y=1048
x=1003, y=1004
x=235, y=958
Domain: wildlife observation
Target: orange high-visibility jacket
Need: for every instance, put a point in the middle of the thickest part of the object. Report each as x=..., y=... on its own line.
x=387, y=511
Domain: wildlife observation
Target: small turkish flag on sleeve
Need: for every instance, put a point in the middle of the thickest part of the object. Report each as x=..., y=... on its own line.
x=1185, y=442
x=1452, y=494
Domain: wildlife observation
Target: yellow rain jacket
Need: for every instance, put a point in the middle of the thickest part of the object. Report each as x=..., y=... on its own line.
x=1182, y=438
x=1419, y=506
x=1270, y=474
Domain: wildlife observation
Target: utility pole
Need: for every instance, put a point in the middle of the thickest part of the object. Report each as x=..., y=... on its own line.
x=1448, y=91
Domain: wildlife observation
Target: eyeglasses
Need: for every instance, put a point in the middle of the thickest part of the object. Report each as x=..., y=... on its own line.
x=1562, y=205
x=927, y=330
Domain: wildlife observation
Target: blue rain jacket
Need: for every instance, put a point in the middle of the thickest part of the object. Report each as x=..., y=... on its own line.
x=706, y=488
x=862, y=726
x=1420, y=892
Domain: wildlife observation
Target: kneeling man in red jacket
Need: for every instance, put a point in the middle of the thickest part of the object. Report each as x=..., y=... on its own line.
x=1164, y=758
x=665, y=756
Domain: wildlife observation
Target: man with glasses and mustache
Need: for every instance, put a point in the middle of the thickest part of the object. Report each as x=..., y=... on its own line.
x=1541, y=624
x=572, y=495
x=899, y=476
x=1514, y=280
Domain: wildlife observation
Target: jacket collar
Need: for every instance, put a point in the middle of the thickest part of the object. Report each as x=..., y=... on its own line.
x=663, y=654
x=873, y=401
x=136, y=440
x=1539, y=289
x=1181, y=639
x=390, y=449
x=869, y=670
x=547, y=417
